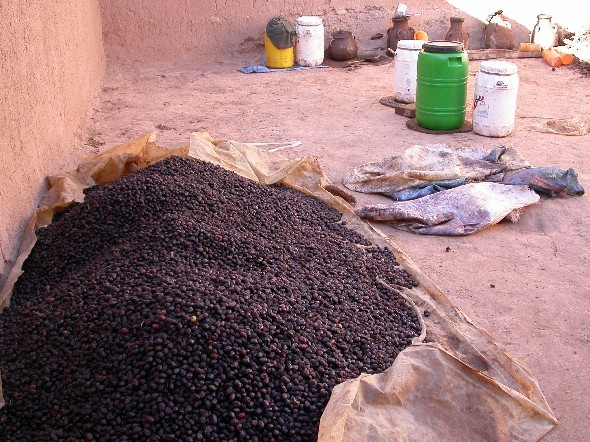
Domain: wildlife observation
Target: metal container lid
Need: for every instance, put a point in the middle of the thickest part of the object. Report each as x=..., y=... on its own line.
x=309, y=20
x=413, y=45
x=443, y=46
x=498, y=67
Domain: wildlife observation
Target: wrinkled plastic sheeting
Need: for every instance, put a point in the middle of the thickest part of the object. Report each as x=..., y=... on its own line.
x=575, y=126
x=551, y=181
x=421, y=165
x=403, y=404
x=460, y=211
x=469, y=356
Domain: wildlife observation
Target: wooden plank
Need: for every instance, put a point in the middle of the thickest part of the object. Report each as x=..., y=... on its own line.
x=490, y=54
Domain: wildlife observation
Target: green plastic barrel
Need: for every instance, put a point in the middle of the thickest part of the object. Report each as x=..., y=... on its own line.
x=441, y=90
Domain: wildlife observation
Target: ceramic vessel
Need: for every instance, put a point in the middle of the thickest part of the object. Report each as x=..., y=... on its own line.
x=544, y=32
x=343, y=46
x=401, y=31
x=456, y=32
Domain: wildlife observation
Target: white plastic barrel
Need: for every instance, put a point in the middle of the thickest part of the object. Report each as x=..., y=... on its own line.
x=405, y=71
x=494, y=103
x=309, y=46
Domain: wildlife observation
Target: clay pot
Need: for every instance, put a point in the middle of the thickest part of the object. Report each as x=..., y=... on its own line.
x=456, y=32
x=497, y=36
x=498, y=33
x=343, y=46
x=401, y=31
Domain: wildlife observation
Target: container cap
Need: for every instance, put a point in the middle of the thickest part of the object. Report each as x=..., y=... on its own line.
x=415, y=45
x=443, y=46
x=309, y=20
x=455, y=19
x=498, y=67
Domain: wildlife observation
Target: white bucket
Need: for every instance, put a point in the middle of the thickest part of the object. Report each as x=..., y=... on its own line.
x=309, y=47
x=405, y=70
x=494, y=104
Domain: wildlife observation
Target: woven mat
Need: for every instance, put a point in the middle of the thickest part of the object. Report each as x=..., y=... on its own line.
x=413, y=124
x=404, y=109
x=369, y=59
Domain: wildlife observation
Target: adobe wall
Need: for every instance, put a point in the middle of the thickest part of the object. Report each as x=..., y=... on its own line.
x=52, y=61
x=153, y=30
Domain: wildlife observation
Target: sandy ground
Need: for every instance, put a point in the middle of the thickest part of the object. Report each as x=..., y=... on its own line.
x=526, y=283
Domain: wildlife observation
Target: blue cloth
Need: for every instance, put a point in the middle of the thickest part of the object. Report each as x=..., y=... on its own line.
x=425, y=189
x=260, y=69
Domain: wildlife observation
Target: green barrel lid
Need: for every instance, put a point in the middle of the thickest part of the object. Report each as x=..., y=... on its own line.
x=443, y=46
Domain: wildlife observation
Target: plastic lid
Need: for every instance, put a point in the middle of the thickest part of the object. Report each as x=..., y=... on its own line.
x=498, y=67
x=415, y=45
x=461, y=19
x=309, y=20
x=443, y=46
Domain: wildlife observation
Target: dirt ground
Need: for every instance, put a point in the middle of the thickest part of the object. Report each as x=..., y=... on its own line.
x=526, y=283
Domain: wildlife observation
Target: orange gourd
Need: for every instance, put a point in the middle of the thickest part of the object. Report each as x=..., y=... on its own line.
x=551, y=56
x=565, y=58
x=420, y=35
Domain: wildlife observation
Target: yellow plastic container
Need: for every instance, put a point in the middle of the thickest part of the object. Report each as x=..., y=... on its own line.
x=277, y=58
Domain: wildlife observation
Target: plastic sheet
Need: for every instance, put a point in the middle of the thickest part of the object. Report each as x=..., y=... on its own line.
x=459, y=384
x=552, y=181
x=421, y=165
x=575, y=126
x=460, y=211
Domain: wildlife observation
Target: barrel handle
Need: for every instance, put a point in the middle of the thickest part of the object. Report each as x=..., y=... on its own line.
x=455, y=61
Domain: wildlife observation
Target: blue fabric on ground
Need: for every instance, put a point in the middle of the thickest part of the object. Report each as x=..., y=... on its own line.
x=260, y=69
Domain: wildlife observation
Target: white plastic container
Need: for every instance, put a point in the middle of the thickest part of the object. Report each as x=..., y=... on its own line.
x=309, y=46
x=494, y=103
x=405, y=70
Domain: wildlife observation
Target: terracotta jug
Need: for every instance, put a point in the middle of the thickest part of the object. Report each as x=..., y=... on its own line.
x=498, y=32
x=343, y=46
x=401, y=31
x=456, y=32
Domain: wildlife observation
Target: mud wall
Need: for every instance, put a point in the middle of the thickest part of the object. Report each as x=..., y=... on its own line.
x=144, y=30
x=52, y=61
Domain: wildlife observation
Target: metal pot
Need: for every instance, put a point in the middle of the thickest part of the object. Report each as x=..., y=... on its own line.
x=343, y=46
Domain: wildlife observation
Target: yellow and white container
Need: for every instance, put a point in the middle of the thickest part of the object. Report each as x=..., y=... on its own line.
x=277, y=58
